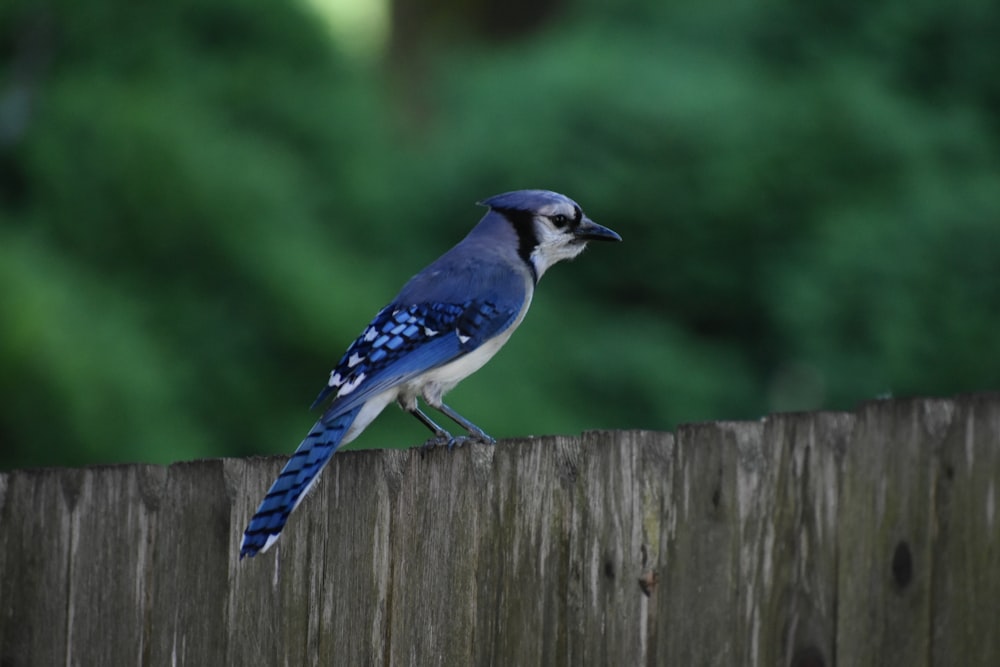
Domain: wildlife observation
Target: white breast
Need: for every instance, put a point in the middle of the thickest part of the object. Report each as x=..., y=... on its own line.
x=434, y=384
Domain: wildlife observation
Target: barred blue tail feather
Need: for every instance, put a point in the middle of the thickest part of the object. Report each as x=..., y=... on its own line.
x=294, y=482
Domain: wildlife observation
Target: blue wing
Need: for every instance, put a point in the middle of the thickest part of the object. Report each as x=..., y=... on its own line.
x=404, y=341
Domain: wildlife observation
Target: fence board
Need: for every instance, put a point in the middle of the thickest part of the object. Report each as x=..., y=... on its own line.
x=802, y=539
x=698, y=576
x=965, y=587
x=34, y=582
x=886, y=527
x=788, y=545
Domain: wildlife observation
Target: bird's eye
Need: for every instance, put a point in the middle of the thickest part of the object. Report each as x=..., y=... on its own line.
x=559, y=220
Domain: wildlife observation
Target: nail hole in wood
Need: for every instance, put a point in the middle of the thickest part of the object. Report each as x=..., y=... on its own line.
x=902, y=565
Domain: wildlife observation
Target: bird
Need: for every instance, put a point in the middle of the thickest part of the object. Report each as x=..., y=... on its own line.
x=446, y=323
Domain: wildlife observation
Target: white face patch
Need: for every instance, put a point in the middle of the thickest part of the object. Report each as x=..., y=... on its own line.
x=558, y=208
x=554, y=245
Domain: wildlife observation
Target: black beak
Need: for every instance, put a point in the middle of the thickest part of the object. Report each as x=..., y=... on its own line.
x=588, y=230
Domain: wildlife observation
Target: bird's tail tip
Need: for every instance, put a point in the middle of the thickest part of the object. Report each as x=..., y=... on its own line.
x=258, y=543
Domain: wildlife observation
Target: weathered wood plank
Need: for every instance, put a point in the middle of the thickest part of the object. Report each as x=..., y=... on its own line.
x=804, y=539
x=37, y=535
x=615, y=495
x=886, y=530
x=789, y=493
x=698, y=586
x=965, y=587
x=110, y=590
x=191, y=566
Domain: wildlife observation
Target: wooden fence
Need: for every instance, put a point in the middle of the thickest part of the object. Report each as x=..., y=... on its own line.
x=866, y=538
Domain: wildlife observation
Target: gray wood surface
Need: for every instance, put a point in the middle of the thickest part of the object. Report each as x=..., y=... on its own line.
x=866, y=538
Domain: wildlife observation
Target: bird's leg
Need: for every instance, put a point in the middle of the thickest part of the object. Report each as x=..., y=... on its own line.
x=441, y=436
x=474, y=431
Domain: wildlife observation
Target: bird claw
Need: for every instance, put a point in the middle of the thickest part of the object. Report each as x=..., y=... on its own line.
x=440, y=440
x=480, y=437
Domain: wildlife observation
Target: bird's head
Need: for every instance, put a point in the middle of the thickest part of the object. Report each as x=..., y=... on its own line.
x=550, y=227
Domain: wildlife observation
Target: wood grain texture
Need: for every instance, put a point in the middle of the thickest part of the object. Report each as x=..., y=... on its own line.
x=807, y=539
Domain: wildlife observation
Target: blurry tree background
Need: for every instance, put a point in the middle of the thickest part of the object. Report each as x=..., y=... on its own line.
x=203, y=202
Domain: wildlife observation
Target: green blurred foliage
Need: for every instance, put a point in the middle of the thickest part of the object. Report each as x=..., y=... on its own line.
x=201, y=204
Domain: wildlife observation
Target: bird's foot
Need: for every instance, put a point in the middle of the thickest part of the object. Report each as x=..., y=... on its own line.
x=480, y=437
x=457, y=441
x=443, y=439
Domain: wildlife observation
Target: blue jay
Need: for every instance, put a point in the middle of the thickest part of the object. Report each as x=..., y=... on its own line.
x=447, y=321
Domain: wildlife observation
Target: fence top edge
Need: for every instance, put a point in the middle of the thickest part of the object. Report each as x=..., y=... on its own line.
x=989, y=400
